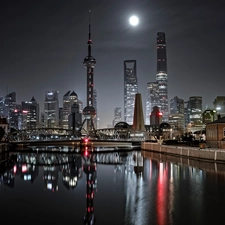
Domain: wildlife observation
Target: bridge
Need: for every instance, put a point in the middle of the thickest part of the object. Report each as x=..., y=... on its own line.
x=57, y=135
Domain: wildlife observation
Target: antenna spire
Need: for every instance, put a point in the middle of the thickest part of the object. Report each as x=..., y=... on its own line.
x=89, y=35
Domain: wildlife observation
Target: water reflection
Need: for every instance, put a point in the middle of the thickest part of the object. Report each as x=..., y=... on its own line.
x=135, y=187
x=72, y=166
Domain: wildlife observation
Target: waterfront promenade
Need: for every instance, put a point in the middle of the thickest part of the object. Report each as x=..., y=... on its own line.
x=217, y=155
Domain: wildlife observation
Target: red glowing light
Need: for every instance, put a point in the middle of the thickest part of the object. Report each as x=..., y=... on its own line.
x=14, y=169
x=24, y=168
x=160, y=114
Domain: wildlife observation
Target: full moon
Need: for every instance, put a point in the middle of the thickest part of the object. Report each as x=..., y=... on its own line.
x=134, y=20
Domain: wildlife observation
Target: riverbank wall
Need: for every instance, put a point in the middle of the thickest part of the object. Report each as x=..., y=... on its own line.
x=185, y=151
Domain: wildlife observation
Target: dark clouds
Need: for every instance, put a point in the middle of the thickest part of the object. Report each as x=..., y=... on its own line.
x=43, y=44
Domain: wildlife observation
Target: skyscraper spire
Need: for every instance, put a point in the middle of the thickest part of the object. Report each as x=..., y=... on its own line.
x=89, y=35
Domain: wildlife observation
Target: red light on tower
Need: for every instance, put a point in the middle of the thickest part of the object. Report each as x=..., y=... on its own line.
x=160, y=114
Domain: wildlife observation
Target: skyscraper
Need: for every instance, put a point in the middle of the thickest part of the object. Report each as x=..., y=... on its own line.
x=219, y=105
x=157, y=92
x=130, y=89
x=68, y=100
x=9, y=106
x=176, y=105
x=152, y=99
x=161, y=75
x=32, y=110
x=51, y=109
x=195, y=104
x=117, y=115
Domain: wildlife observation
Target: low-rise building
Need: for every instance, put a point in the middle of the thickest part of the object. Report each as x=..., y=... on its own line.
x=215, y=134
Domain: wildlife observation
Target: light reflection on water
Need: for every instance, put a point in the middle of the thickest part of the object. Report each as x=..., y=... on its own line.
x=118, y=187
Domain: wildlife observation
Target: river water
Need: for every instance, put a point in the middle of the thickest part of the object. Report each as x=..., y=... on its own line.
x=60, y=186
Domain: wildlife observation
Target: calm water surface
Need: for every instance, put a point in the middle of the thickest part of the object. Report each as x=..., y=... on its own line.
x=133, y=188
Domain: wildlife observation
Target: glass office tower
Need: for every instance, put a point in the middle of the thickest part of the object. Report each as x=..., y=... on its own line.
x=51, y=109
x=130, y=89
x=161, y=75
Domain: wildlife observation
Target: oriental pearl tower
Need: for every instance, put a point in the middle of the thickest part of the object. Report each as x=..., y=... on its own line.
x=89, y=111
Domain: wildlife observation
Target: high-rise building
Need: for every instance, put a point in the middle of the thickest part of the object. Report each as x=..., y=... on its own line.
x=176, y=121
x=152, y=99
x=2, y=106
x=219, y=105
x=156, y=116
x=51, y=109
x=195, y=104
x=68, y=100
x=130, y=89
x=186, y=112
x=17, y=117
x=157, y=92
x=75, y=117
x=9, y=106
x=176, y=105
x=31, y=109
x=161, y=75
x=117, y=115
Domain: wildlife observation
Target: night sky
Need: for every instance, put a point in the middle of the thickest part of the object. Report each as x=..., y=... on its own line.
x=43, y=44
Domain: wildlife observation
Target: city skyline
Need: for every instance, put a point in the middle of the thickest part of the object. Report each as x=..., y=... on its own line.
x=43, y=46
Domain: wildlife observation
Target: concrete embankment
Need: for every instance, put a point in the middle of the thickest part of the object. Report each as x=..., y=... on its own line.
x=183, y=151
x=208, y=165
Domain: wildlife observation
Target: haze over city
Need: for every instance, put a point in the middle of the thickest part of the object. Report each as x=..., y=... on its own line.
x=43, y=45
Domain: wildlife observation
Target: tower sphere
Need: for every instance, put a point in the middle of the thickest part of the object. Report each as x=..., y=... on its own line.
x=89, y=112
x=89, y=62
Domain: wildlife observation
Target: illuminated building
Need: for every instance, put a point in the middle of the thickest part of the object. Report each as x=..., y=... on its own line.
x=161, y=75
x=209, y=115
x=219, y=105
x=186, y=113
x=31, y=109
x=75, y=117
x=156, y=116
x=68, y=100
x=157, y=92
x=152, y=99
x=89, y=62
x=2, y=106
x=176, y=121
x=117, y=115
x=17, y=118
x=51, y=109
x=176, y=105
x=9, y=106
x=195, y=105
x=130, y=89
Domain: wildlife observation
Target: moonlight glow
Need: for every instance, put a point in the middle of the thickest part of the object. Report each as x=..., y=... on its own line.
x=134, y=20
